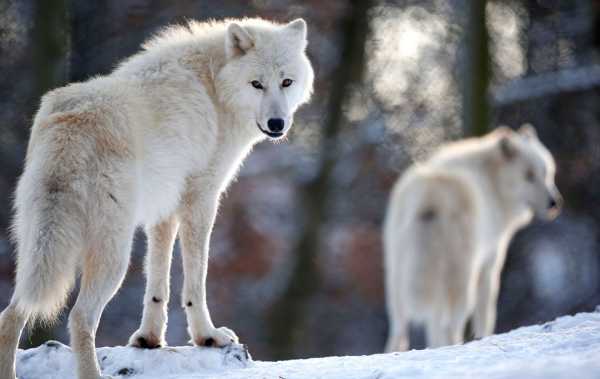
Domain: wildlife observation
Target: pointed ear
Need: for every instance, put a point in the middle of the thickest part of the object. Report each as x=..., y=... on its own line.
x=502, y=130
x=238, y=40
x=297, y=28
x=507, y=147
x=528, y=130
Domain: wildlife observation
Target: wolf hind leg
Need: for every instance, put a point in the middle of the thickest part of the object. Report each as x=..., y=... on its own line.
x=12, y=322
x=103, y=272
x=446, y=330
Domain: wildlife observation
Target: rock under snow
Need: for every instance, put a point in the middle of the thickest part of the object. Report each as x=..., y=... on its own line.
x=568, y=347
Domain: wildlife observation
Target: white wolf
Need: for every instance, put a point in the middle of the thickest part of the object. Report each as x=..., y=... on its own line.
x=154, y=144
x=447, y=230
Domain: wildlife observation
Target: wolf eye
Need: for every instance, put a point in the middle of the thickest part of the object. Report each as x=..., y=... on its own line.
x=530, y=175
x=287, y=82
x=256, y=84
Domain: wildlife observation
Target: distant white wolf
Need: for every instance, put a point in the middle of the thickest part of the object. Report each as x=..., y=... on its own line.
x=154, y=143
x=447, y=230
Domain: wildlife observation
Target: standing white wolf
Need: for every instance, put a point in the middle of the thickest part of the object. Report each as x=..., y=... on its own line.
x=154, y=144
x=448, y=227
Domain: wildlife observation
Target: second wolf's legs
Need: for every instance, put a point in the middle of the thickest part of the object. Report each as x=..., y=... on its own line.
x=197, y=215
x=397, y=318
x=484, y=315
x=398, y=336
x=161, y=238
x=104, y=268
x=12, y=321
x=447, y=321
x=445, y=332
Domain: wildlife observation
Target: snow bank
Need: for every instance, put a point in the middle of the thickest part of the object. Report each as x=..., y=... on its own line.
x=568, y=347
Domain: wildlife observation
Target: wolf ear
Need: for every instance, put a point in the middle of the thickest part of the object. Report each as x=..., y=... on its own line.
x=528, y=130
x=238, y=40
x=507, y=147
x=502, y=130
x=298, y=29
x=298, y=26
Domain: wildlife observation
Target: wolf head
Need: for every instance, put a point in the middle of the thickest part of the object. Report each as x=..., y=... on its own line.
x=267, y=75
x=526, y=174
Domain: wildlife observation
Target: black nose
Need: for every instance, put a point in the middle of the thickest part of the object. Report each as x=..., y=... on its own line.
x=275, y=124
x=555, y=202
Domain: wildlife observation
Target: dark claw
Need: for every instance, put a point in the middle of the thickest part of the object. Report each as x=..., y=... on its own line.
x=209, y=342
x=143, y=343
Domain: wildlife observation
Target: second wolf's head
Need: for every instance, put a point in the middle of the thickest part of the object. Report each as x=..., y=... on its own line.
x=267, y=75
x=527, y=175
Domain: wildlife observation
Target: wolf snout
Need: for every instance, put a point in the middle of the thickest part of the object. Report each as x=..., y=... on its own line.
x=275, y=125
x=555, y=203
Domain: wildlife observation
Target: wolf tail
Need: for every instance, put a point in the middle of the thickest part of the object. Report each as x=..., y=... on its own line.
x=48, y=229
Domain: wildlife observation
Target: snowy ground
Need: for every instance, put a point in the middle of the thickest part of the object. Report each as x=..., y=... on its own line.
x=568, y=347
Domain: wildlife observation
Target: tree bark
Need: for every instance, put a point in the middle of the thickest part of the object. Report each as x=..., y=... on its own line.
x=477, y=72
x=287, y=318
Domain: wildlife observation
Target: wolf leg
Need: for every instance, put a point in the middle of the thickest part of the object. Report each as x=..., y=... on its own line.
x=397, y=317
x=398, y=337
x=161, y=238
x=440, y=333
x=197, y=217
x=104, y=269
x=447, y=321
x=12, y=321
x=484, y=315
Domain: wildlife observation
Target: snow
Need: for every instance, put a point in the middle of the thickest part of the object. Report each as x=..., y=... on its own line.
x=565, y=348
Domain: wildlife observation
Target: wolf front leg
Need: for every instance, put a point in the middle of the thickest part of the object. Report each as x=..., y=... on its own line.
x=161, y=238
x=397, y=315
x=484, y=315
x=197, y=214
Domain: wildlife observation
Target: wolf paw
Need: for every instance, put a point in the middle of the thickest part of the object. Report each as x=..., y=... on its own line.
x=218, y=337
x=146, y=340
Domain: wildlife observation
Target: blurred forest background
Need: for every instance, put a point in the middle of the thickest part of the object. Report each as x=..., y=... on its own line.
x=295, y=262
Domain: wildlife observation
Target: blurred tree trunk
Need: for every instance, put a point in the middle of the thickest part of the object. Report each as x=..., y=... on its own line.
x=287, y=319
x=596, y=24
x=536, y=13
x=91, y=25
x=476, y=108
x=477, y=72
x=51, y=45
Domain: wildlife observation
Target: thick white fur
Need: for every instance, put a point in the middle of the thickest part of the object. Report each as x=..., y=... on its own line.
x=154, y=144
x=448, y=226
